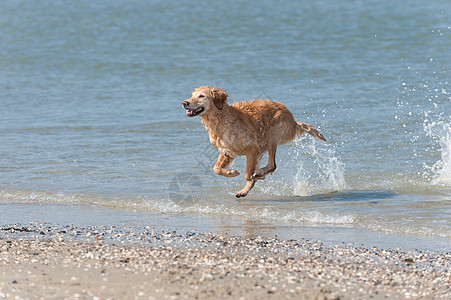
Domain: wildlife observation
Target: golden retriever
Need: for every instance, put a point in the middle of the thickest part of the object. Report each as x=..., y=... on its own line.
x=245, y=128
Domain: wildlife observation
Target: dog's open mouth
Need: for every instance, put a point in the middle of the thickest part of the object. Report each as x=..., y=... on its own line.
x=194, y=112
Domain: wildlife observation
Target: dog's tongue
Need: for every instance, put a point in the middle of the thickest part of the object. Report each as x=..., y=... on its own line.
x=190, y=112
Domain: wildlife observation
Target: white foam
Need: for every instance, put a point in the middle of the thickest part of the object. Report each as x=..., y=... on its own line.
x=410, y=228
x=291, y=212
x=273, y=214
x=250, y=210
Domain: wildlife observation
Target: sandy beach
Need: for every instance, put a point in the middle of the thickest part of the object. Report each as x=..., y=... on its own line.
x=43, y=261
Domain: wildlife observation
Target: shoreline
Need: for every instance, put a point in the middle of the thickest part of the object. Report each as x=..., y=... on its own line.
x=87, y=216
x=39, y=260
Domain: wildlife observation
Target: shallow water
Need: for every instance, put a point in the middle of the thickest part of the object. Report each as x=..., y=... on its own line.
x=91, y=109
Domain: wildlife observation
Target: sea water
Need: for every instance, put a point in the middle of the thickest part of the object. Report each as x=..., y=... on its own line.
x=91, y=116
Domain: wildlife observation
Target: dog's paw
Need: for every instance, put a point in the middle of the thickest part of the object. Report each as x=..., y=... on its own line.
x=258, y=175
x=232, y=173
x=241, y=194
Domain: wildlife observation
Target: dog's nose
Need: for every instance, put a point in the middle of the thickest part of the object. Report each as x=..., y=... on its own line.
x=185, y=104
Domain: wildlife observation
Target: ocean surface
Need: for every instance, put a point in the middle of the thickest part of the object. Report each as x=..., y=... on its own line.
x=92, y=129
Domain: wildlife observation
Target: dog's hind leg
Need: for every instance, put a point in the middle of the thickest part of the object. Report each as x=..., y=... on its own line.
x=252, y=160
x=222, y=164
x=270, y=167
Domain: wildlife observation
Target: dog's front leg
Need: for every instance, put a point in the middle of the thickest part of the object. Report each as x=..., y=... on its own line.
x=251, y=164
x=222, y=164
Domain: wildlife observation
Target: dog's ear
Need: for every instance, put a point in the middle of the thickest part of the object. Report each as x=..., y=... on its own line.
x=219, y=97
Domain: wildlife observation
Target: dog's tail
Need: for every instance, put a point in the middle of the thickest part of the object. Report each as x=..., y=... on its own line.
x=304, y=127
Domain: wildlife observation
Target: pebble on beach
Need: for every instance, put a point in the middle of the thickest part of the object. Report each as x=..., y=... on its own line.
x=142, y=263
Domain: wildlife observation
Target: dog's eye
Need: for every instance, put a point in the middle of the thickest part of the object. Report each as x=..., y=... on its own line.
x=201, y=96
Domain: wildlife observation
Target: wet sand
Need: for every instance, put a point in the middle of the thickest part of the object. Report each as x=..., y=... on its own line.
x=56, y=262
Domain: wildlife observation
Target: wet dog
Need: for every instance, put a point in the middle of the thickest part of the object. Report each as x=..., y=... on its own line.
x=249, y=128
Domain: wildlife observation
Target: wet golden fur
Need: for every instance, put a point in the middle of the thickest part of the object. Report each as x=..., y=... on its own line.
x=249, y=128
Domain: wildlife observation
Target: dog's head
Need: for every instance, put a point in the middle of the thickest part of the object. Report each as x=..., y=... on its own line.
x=204, y=100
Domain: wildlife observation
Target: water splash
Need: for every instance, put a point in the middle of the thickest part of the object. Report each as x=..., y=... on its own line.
x=441, y=132
x=300, y=184
x=423, y=107
x=309, y=168
x=318, y=169
x=437, y=125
